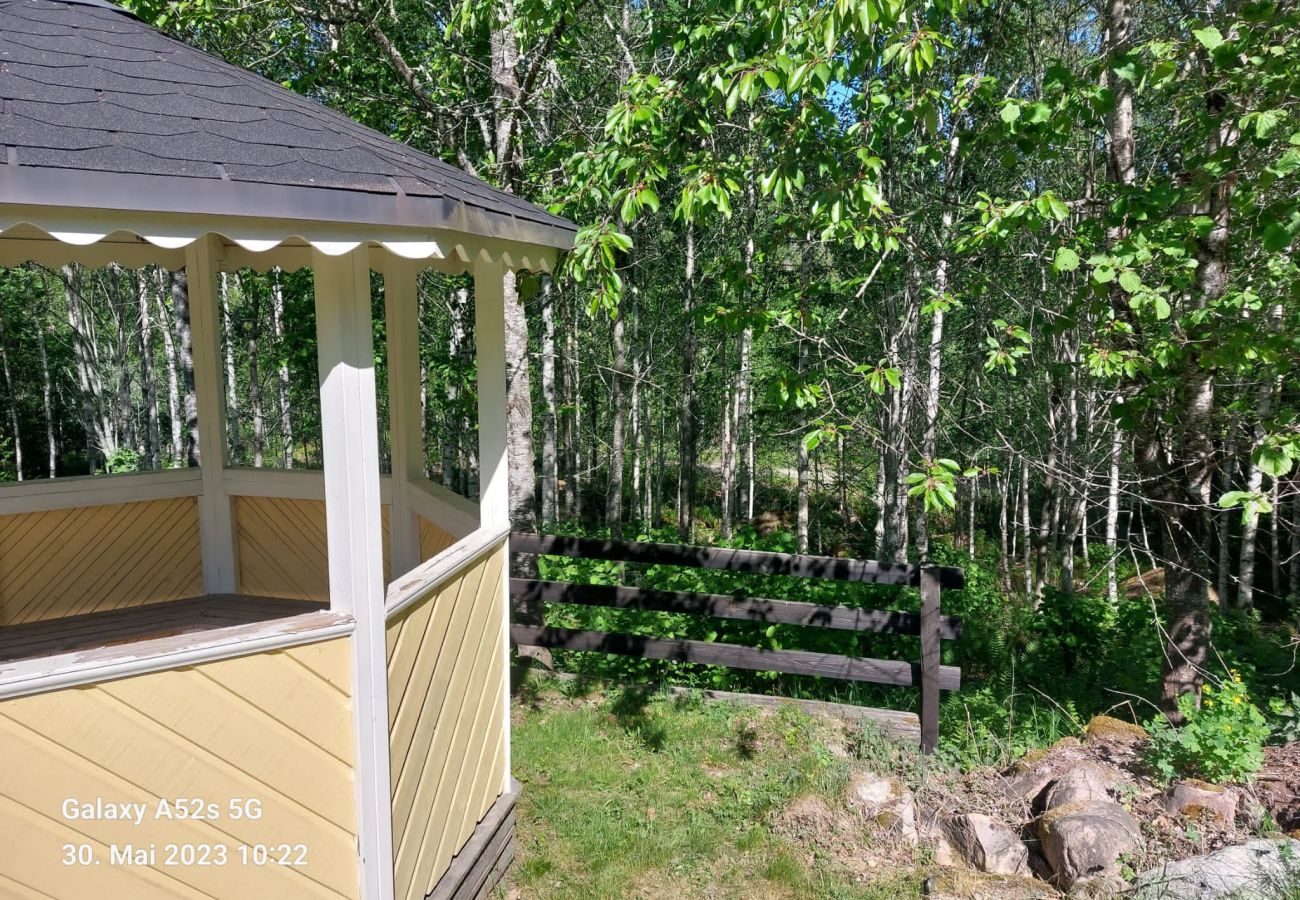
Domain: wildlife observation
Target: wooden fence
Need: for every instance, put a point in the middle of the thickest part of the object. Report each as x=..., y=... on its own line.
x=529, y=594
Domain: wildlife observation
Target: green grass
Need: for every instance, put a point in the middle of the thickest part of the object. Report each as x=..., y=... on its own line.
x=632, y=795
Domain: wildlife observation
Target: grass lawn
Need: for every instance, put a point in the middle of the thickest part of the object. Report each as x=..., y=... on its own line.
x=641, y=796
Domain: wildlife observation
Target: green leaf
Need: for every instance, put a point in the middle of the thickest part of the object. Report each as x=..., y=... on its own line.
x=1273, y=461
x=1066, y=260
x=1130, y=281
x=1209, y=37
x=1010, y=112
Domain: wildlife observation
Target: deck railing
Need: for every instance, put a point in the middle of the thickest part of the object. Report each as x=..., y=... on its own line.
x=930, y=625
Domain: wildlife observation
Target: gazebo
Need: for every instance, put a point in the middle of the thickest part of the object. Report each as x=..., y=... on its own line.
x=245, y=683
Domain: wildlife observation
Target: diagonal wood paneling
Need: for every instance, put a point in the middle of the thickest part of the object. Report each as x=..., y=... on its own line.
x=446, y=678
x=433, y=540
x=273, y=727
x=88, y=559
x=282, y=548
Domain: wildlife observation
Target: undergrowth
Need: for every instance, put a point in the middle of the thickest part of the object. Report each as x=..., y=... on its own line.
x=1031, y=673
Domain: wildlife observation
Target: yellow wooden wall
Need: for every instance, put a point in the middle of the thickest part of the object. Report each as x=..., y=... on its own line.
x=274, y=726
x=433, y=540
x=447, y=727
x=282, y=548
x=69, y=561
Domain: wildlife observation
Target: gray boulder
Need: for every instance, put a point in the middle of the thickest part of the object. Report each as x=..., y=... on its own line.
x=1084, y=841
x=1084, y=783
x=1258, y=870
x=1201, y=800
x=987, y=844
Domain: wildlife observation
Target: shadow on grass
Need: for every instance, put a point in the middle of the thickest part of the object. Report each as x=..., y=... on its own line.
x=630, y=708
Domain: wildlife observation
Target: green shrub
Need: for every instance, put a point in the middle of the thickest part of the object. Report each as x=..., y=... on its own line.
x=1286, y=728
x=1221, y=741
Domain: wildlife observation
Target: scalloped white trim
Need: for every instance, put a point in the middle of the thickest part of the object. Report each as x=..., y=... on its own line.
x=453, y=250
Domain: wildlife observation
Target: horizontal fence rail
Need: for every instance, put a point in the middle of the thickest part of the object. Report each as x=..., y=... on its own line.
x=528, y=595
x=758, y=562
x=529, y=592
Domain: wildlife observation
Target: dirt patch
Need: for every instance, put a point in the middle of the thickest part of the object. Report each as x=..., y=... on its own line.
x=1278, y=786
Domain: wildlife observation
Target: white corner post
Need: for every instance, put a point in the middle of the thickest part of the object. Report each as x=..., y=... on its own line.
x=494, y=472
x=406, y=434
x=216, y=523
x=350, y=433
x=490, y=341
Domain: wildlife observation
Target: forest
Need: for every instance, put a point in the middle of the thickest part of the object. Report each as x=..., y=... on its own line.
x=1005, y=285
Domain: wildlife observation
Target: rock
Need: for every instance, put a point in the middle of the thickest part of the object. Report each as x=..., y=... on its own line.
x=886, y=801
x=1257, y=870
x=942, y=851
x=1084, y=783
x=1200, y=800
x=1030, y=778
x=1109, y=728
x=987, y=844
x=1084, y=841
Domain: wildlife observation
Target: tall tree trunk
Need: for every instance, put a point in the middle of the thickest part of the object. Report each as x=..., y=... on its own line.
x=47, y=389
x=614, y=492
x=1112, y=512
x=255, y=380
x=550, y=466
x=1026, y=535
x=573, y=425
x=686, y=406
x=166, y=325
x=1227, y=478
x=453, y=464
x=1049, y=514
x=801, y=475
x=282, y=373
x=101, y=437
x=11, y=407
x=929, y=440
x=744, y=427
x=900, y=352
x=519, y=412
x=1181, y=479
x=147, y=380
x=232, y=392
x=185, y=352
x=637, y=411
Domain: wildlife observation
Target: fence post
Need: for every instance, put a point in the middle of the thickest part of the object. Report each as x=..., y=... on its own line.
x=929, y=659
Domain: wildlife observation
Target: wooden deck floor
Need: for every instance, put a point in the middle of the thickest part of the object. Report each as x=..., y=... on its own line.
x=124, y=626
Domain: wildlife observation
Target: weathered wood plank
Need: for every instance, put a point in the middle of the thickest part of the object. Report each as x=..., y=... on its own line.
x=930, y=678
x=723, y=606
x=472, y=869
x=756, y=561
x=792, y=662
x=118, y=626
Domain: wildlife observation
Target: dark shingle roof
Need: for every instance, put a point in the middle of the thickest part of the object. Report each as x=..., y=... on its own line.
x=86, y=89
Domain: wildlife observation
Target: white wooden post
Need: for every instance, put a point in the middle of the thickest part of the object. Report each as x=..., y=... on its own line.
x=494, y=475
x=350, y=433
x=490, y=341
x=216, y=525
x=406, y=436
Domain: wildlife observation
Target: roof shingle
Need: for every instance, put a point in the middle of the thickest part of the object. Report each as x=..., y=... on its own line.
x=87, y=86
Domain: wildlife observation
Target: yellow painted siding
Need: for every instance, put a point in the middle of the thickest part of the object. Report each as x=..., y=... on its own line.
x=274, y=727
x=69, y=561
x=282, y=548
x=433, y=540
x=446, y=677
